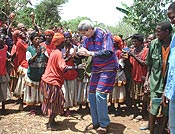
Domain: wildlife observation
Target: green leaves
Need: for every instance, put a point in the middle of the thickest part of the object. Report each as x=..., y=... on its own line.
x=125, y=11
x=73, y=23
x=46, y=12
x=144, y=15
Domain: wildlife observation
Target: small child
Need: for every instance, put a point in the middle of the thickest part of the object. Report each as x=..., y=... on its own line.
x=4, y=77
x=119, y=93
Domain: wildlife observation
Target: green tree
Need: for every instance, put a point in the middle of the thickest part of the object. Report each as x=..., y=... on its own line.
x=20, y=7
x=72, y=24
x=122, y=28
x=144, y=15
x=23, y=16
x=48, y=13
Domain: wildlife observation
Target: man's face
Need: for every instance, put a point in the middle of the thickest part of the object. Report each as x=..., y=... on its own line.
x=171, y=16
x=88, y=33
x=161, y=34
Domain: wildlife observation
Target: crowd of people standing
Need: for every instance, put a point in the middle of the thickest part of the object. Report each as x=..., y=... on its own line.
x=58, y=70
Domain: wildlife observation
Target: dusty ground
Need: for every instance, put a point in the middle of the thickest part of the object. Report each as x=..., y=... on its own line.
x=16, y=122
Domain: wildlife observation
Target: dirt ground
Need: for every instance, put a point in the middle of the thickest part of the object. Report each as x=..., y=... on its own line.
x=22, y=122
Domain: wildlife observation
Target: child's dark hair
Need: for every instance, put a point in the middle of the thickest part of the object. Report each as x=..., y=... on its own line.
x=172, y=6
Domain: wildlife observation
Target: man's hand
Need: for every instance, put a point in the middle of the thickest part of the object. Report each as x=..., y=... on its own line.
x=12, y=16
x=146, y=86
x=32, y=16
x=165, y=100
x=84, y=52
x=130, y=53
x=81, y=66
x=38, y=51
x=124, y=55
x=72, y=52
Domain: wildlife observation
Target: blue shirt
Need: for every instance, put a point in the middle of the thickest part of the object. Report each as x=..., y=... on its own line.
x=170, y=83
x=172, y=45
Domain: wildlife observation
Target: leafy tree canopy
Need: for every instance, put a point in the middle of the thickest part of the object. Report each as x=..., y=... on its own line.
x=47, y=12
x=72, y=24
x=144, y=15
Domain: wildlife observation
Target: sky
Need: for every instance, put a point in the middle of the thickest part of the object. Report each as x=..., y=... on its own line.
x=102, y=11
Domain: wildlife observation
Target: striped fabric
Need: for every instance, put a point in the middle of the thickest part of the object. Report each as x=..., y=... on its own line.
x=104, y=68
x=19, y=90
x=13, y=73
x=102, y=40
x=5, y=93
x=53, y=99
x=102, y=82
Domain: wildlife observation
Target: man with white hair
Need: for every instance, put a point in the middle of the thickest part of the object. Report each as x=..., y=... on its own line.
x=99, y=44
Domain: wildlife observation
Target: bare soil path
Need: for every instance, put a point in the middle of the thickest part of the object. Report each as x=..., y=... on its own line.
x=22, y=122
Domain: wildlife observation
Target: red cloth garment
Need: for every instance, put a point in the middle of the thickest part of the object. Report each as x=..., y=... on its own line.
x=70, y=74
x=138, y=71
x=3, y=59
x=120, y=42
x=0, y=23
x=15, y=36
x=49, y=48
x=13, y=51
x=54, y=72
x=21, y=48
x=15, y=61
x=49, y=32
x=118, y=54
x=57, y=39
